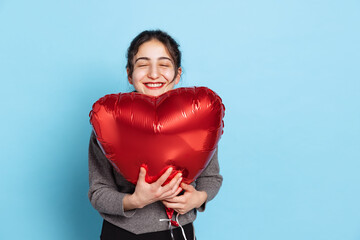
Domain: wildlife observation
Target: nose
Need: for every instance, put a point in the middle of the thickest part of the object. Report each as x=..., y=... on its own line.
x=153, y=72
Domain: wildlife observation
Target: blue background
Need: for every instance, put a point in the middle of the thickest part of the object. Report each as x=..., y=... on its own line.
x=288, y=73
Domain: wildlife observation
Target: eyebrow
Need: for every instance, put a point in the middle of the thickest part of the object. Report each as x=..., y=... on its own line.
x=148, y=59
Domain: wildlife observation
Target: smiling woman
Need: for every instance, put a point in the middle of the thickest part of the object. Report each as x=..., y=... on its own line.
x=137, y=212
x=154, y=71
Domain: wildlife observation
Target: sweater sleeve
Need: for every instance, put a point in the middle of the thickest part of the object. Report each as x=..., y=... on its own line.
x=210, y=180
x=103, y=192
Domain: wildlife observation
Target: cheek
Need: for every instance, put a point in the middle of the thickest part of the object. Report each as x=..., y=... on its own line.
x=169, y=74
x=137, y=75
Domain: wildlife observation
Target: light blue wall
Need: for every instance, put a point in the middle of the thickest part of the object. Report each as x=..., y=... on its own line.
x=288, y=73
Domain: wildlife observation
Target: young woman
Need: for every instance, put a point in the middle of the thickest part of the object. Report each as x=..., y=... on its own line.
x=138, y=212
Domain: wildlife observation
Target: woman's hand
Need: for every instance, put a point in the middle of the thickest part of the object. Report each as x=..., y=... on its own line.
x=146, y=193
x=189, y=200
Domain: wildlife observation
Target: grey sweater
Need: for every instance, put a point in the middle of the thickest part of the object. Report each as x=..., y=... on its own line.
x=108, y=188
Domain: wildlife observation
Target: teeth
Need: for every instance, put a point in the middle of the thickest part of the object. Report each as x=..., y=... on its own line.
x=154, y=84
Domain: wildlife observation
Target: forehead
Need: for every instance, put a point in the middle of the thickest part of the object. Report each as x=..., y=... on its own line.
x=152, y=49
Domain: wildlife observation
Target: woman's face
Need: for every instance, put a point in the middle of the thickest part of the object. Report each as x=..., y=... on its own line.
x=154, y=72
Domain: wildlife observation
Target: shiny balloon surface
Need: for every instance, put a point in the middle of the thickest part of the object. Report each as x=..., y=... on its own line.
x=180, y=129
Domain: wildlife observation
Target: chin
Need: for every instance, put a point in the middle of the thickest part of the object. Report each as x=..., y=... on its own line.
x=154, y=93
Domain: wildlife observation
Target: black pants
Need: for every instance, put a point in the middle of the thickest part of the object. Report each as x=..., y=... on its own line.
x=112, y=232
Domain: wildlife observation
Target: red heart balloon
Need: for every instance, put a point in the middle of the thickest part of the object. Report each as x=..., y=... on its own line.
x=180, y=128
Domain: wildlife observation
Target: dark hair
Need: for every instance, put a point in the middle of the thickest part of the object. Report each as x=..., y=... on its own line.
x=171, y=45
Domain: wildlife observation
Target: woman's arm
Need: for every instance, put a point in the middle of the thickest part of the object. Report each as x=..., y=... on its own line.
x=104, y=194
x=210, y=180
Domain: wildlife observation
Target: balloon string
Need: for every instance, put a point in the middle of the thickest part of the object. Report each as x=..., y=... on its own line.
x=170, y=227
x=178, y=223
x=182, y=229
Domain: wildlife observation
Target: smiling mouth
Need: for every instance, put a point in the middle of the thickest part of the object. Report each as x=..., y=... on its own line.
x=154, y=85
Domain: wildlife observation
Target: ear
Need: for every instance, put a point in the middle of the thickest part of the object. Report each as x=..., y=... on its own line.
x=178, y=76
x=129, y=77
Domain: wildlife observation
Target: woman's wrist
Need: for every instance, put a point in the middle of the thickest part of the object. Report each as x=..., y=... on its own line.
x=130, y=202
x=202, y=198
